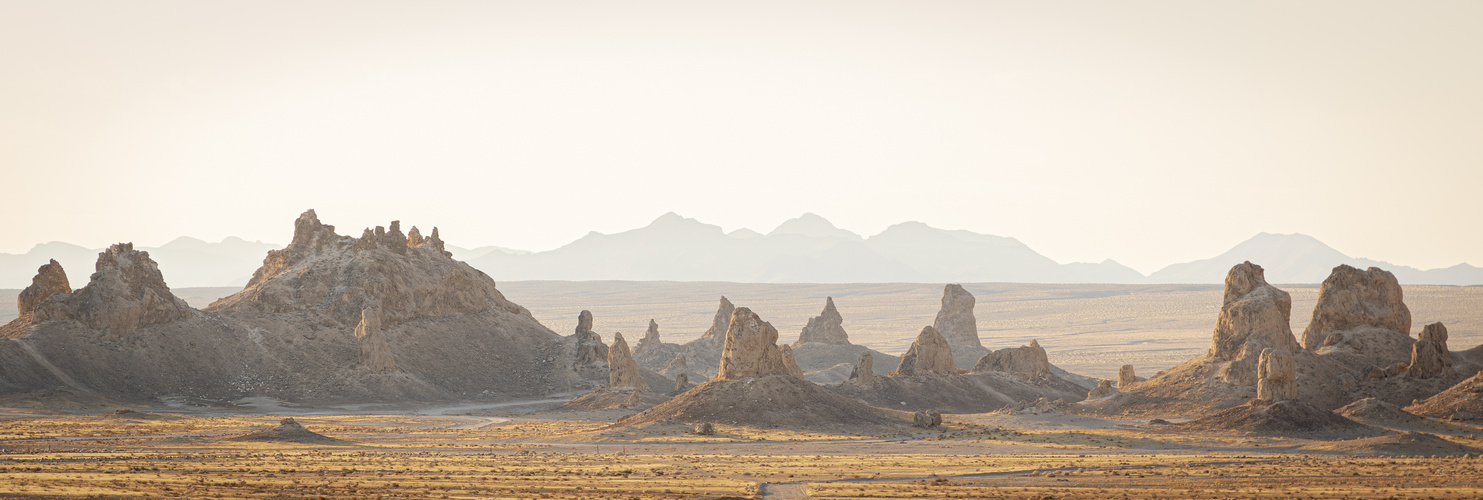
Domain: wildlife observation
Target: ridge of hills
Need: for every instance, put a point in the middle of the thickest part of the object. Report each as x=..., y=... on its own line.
x=805, y=249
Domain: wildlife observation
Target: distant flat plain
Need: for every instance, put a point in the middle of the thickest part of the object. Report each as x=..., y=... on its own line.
x=1085, y=328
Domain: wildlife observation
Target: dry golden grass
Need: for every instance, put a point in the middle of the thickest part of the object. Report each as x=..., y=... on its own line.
x=403, y=456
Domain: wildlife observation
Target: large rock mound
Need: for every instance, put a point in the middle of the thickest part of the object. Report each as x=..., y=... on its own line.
x=955, y=321
x=929, y=354
x=1287, y=418
x=125, y=294
x=1028, y=361
x=339, y=276
x=1351, y=299
x=826, y=328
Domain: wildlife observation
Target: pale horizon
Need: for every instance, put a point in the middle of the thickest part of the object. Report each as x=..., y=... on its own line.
x=1148, y=133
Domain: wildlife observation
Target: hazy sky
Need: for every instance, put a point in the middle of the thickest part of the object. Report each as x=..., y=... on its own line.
x=1145, y=132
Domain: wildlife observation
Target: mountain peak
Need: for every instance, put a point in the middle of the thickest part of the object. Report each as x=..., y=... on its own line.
x=810, y=224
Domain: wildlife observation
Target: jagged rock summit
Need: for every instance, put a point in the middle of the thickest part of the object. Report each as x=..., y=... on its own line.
x=126, y=293
x=1352, y=300
x=955, y=321
x=929, y=354
x=339, y=276
x=826, y=328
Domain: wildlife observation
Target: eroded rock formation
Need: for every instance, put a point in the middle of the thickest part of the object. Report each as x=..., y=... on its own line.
x=589, y=353
x=1103, y=389
x=1430, y=357
x=1276, y=376
x=929, y=353
x=1027, y=361
x=50, y=280
x=789, y=362
x=338, y=276
x=623, y=371
x=1252, y=311
x=1125, y=376
x=375, y=355
x=926, y=419
x=721, y=321
x=126, y=293
x=1351, y=299
x=955, y=321
x=826, y=328
x=751, y=348
x=650, y=341
x=864, y=369
x=681, y=381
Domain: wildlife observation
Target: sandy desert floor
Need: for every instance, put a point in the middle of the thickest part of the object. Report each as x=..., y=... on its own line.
x=549, y=455
x=1087, y=329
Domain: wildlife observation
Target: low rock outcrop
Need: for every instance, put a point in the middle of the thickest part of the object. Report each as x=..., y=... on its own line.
x=926, y=419
x=955, y=321
x=50, y=280
x=1276, y=376
x=127, y=292
x=1352, y=299
x=1125, y=377
x=623, y=372
x=826, y=328
x=864, y=369
x=375, y=355
x=751, y=348
x=1102, y=390
x=1430, y=357
x=1027, y=361
x=929, y=353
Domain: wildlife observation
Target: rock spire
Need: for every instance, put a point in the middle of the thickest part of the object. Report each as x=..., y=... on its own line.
x=1430, y=357
x=721, y=321
x=751, y=348
x=1351, y=299
x=623, y=371
x=929, y=353
x=955, y=321
x=864, y=369
x=826, y=328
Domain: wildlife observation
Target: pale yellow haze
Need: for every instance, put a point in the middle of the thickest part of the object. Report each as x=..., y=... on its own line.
x=1145, y=132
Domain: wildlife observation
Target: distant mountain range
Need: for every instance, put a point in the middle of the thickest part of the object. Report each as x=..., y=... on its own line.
x=807, y=249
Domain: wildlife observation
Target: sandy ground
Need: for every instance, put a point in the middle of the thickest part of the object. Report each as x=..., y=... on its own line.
x=570, y=455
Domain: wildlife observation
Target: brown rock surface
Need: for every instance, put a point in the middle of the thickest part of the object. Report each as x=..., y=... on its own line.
x=374, y=353
x=1027, y=361
x=623, y=371
x=826, y=328
x=1350, y=299
x=50, y=280
x=650, y=341
x=929, y=353
x=721, y=321
x=1276, y=376
x=955, y=321
x=751, y=348
x=127, y=292
x=864, y=369
x=1125, y=377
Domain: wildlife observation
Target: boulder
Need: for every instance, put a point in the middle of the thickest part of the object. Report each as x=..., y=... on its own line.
x=1028, y=361
x=375, y=355
x=623, y=371
x=1430, y=357
x=826, y=328
x=751, y=348
x=1351, y=299
x=127, y=292
x=1276, y=376
x=864, y=369
x=705, y=429
x=926, y=419
x=955, y=321
x=789, y=362
x=1251, y=311
x=1125, y=377
x=1104, y=389
x=929, y=353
